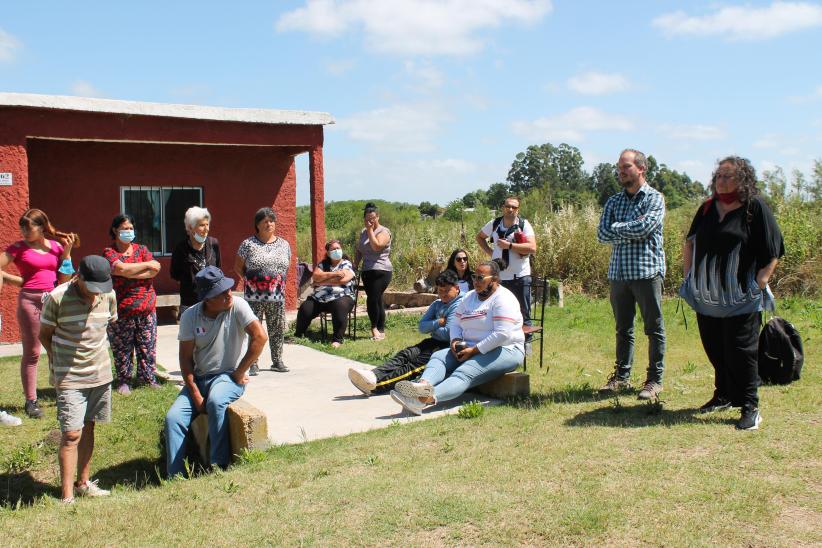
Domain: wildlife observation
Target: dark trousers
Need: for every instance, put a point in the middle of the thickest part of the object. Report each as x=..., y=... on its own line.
x=375, y=283
x=338, y=308
x=521, y=288
x=732, y=346
x=407, y=363
x=625, y=296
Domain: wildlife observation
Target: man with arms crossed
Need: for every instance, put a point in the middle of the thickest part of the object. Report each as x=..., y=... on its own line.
x=215, y=363
x=632, y=223
x=73, y=331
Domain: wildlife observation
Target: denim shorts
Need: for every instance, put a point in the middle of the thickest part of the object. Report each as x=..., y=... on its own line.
x=76, y=406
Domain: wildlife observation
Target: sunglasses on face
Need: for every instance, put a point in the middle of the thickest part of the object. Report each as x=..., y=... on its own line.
x=478, y=278
x=462, y=259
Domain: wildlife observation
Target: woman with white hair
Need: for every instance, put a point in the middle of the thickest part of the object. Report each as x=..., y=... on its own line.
x=193, y=254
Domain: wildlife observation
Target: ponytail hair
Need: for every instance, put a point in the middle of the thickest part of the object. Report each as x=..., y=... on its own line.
x=37, y=217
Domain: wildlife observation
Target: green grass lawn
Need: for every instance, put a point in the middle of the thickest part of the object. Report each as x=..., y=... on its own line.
x=561, y=467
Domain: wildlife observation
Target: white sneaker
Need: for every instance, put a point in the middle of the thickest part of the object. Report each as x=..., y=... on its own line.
x=410, y=404
x=90, y=489
x=414, y=389
x=9, y=420
x=364, y=379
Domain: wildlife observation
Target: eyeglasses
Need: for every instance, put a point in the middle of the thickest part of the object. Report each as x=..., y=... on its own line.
x=478, y=278
x=506, y=206
x=461, y=259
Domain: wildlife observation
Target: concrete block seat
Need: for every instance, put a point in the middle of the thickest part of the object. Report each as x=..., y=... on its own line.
x=247, y=425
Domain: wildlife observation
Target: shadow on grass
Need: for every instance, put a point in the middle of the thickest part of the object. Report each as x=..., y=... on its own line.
x=644, y=414
x=22, y=489
x=136, y=473
x=571, y=393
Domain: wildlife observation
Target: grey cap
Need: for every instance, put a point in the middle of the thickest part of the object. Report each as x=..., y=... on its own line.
x=95, y=271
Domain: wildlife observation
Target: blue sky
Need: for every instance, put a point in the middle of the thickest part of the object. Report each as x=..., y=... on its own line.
x=433, y=99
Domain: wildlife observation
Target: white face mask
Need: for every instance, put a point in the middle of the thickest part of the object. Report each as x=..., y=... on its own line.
x=335, y=254
x=200, y=239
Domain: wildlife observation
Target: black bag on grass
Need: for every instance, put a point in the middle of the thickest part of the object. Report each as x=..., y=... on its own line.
x=781, y=355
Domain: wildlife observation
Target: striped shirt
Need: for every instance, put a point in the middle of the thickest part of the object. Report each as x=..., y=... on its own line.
x=79, y=345
x=633, y=227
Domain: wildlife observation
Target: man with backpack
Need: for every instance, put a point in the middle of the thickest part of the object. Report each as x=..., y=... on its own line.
x=512, y=240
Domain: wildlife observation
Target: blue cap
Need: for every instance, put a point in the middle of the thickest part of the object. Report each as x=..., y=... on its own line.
x=211, y=282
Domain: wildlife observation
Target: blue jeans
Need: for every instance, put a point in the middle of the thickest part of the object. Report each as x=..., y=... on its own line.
x=451, y=378
x=219, y=391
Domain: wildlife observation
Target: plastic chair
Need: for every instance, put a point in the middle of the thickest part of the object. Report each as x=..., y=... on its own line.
x=351, y=330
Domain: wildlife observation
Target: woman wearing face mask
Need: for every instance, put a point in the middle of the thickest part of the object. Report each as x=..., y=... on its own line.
x=486, y=342
x=333, y=292
x=43, y=258
x=135, y=331
x=193, y=254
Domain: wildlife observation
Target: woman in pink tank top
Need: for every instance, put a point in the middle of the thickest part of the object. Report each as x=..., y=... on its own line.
x=43, y=258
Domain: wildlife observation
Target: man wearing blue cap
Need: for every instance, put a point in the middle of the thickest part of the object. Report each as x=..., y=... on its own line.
x=220, y=337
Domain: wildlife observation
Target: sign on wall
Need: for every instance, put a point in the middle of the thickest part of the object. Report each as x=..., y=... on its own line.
x=5, y=179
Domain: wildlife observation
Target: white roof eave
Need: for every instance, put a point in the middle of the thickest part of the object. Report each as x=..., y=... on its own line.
x=167, y=110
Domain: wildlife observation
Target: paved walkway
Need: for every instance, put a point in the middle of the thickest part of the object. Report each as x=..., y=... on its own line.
x=314, y=400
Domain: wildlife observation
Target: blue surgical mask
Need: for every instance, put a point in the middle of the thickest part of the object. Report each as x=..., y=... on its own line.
x=200, y=239
x=335, y=254
x=126, y=236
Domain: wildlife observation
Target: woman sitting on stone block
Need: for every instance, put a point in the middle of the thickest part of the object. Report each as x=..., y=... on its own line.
x=486, y=343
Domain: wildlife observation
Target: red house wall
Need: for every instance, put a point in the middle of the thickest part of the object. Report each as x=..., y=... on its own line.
x=77, y=183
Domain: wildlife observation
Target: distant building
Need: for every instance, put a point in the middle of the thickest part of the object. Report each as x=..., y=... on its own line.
x=84, y=160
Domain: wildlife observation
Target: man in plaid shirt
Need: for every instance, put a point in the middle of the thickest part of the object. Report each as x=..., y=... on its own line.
x=632, y=223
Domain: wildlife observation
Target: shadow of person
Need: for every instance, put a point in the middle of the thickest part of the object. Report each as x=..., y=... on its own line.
x=136, y=473
x=21, y=488
x=618, y=415
x=571, y=393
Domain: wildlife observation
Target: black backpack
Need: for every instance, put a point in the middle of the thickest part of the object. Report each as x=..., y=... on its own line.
x=780, y=352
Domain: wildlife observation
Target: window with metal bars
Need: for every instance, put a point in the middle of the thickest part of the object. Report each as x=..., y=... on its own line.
x=159, y=214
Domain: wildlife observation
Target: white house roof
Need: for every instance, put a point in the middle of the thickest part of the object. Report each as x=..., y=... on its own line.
x=139, y=108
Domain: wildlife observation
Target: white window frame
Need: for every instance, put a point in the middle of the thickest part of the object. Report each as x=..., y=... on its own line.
x=123, y=189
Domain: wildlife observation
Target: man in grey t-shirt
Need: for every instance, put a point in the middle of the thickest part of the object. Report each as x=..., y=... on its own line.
x=220, y=337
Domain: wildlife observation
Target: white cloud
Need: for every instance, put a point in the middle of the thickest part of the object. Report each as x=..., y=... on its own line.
x=85, y=89
x=412, y=27
x=692, y=132
x=339, y=67
x=425, y=75
x=815, y=95
x=456, y=165
x=573, y=125
x=9, y=46
x=767, y=141
x=598, y=83
x=410, y=127
x=744, y=22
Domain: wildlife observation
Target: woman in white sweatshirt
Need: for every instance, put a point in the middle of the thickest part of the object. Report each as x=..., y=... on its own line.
x=486, y=342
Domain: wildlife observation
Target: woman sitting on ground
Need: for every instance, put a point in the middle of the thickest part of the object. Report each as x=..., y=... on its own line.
x=458, y=262
x=333, y=281
x=193, y=254
x=486, y=342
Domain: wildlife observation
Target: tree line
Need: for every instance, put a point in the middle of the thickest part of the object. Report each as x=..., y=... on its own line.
x=555, y=176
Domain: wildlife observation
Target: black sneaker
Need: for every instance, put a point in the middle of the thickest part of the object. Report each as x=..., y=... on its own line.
x=750, y=419
x=33, y=410
x=717, y=403
x=279, y=367
x=254, y=371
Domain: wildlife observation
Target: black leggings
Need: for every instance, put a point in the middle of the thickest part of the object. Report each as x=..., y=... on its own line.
x=338, y=308
x=375, y=283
